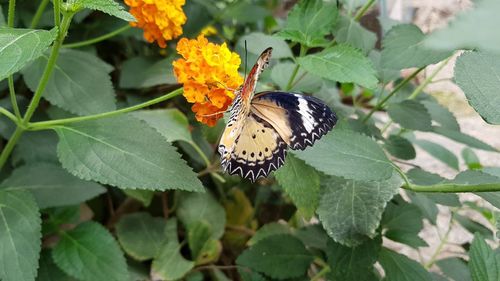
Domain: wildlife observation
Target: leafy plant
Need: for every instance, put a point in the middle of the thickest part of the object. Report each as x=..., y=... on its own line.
x=107, y=175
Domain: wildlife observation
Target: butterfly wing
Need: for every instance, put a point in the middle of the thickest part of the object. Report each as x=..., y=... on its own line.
x=300, y=120
x=257, y=151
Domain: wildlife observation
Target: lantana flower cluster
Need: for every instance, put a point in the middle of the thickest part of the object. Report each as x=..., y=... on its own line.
x=161, y=20
x=209, y=73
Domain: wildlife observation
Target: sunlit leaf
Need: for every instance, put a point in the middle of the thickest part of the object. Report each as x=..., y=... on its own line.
x=341, y=63
x=348, y=154
x=350, y=210
x=478, y=75
x=124, y=152
x=301, y=182
x=20, y=46
x=309, y=21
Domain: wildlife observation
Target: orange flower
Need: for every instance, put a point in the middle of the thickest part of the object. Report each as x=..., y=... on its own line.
x=207, y=71
x=161, y=20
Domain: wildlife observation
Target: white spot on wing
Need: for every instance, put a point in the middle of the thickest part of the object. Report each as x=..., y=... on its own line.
x=307, y=119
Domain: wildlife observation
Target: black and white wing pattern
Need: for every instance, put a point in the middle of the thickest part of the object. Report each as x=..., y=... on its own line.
x=299, y=120
x=257, y=151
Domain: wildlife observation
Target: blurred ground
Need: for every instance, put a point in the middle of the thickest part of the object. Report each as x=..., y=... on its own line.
x=428, y=15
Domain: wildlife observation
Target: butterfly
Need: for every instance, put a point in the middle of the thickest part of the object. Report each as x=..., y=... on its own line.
x=262, y=126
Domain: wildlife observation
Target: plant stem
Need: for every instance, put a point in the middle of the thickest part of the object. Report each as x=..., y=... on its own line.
x=10, y=145
x=421, y=87
x=442, y=243
x=11, y=16
x=13, y=100
x=57, y=13
x=9, y=115
x=12, y=92
x=21, y=125
x=48, y=124
x=39, y=13
x=326, y=268
x=454, y=188
x=289, y=85
x=381, y=103
x=428, y=80
x=97, y=39
x=48, y=69
x=363, y=10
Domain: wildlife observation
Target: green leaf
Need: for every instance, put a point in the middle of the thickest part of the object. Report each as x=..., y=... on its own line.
x=141, y=235
x=402, y=48
x=270, y=229
x=245, y=12
x=472, y=226
x=20, y=228
x=195, y=207
x=454, y=268
x=385, y=74
x=463, y=138
x=402, y=223
x=341, y=63
x=204, y=249
x=350, y=211
x=20, y=46
x=349, y=31
x=353, y=264
x=471, y=159
x=441, y=114
x=478, y=75
x=422, y=177
x=89, y=252
x=258, y=41
x=48, y=270
x=109, y=7
x=301, y=182
x=398, y=267
x=439, y=152
x=470, y=29
x=144, y=196
x=400, y=147
x=51, y=185
x=308, y=83
x=348, y=154
x=198, y=235
x=80, y=82
x=484, y=262
x=313, y=236
x=170, y=264
x=38, y=146
x=309, y=21
x=278, y=256
x=153, y=73
x=170, y=123
x=426, y=205
x=123, y=152
x=411, y=115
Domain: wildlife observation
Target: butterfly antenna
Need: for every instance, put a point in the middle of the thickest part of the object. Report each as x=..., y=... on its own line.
x=246, y=56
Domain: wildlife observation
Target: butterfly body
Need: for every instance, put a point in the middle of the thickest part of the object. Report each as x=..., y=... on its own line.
x=263, y=126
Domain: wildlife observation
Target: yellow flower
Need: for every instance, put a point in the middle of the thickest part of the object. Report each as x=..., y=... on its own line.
x=161, y=20
x=208, y=71
x=209, y=30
